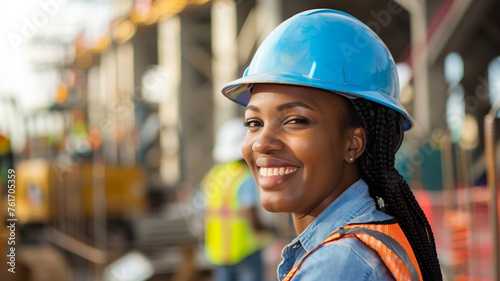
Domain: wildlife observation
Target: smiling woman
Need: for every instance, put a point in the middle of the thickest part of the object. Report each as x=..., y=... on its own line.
x=324, y=122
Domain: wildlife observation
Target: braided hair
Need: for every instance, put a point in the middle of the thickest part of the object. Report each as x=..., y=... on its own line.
x=377, y=168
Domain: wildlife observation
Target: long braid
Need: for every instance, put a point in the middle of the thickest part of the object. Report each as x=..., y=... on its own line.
x=377, y=167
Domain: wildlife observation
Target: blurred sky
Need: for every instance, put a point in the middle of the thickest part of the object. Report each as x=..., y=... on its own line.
x=16, y=75
x=26, y=28
x=28, y=22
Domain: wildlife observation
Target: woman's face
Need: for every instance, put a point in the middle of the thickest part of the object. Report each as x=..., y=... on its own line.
x=298, y=148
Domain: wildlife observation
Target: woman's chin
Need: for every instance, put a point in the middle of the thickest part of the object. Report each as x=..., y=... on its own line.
x=275, y=206
x=270, y=208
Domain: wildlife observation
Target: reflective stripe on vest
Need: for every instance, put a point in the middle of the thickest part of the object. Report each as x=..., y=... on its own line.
x=386, y=238
x=229, y=235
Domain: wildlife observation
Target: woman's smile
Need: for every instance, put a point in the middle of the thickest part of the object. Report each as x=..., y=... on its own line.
x=276, y=171
x=272, y=177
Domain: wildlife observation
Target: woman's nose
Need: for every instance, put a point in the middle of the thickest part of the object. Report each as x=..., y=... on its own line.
x=266, y=141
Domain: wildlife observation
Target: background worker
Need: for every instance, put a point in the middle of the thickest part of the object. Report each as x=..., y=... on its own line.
x=234, y=234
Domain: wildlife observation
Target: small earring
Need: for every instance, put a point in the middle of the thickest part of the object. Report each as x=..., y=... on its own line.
x=351, y=159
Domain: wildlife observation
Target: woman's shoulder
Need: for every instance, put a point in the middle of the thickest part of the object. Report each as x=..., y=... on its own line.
x=344, y=259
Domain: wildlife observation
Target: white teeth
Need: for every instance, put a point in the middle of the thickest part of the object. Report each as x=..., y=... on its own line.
x=281, y=171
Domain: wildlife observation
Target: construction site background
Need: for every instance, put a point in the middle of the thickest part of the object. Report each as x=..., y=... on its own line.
x=109, y=111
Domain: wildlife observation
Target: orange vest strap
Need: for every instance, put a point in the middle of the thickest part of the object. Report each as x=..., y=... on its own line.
x=386, y=238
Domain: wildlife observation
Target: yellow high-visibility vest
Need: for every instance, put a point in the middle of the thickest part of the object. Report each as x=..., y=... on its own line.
x=229, y=235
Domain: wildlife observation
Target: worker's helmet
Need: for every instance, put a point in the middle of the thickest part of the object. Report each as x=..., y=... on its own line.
x=324, y=49
x=228, y=142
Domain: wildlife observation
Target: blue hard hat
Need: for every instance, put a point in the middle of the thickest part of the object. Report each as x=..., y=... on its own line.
x=325, y=49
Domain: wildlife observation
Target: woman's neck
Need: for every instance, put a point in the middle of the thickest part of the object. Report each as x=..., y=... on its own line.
x=302, y=220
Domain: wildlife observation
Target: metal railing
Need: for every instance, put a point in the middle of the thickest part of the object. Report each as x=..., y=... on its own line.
x=491, y=170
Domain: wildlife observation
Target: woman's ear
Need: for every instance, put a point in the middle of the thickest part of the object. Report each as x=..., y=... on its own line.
x=356, y=144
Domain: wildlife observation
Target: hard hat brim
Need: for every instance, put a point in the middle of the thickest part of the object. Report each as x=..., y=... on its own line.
x=240, y=91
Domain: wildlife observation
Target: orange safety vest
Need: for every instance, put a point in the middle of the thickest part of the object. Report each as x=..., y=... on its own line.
x=386, y=238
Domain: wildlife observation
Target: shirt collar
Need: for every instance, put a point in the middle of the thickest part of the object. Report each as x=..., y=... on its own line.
x=349, y=205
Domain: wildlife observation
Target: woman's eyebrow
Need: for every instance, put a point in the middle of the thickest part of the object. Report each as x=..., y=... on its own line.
x=282, y=107
x=292, y=105
x=253, y=108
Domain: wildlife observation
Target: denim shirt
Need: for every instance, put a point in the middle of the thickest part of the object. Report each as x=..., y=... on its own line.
x=345, y=259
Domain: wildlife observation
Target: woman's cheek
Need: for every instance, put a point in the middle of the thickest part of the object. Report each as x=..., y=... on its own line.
x=246, y=149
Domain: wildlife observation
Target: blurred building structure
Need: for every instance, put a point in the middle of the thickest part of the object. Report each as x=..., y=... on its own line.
x=136, y=102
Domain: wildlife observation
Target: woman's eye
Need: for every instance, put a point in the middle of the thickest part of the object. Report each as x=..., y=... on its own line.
x=300, y=121
x=253, y=123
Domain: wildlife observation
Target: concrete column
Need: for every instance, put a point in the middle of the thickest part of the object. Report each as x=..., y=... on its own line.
x=225, y=57
x=108, y=91
x=125, y=110
x=169, y=58
x=420, y=64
